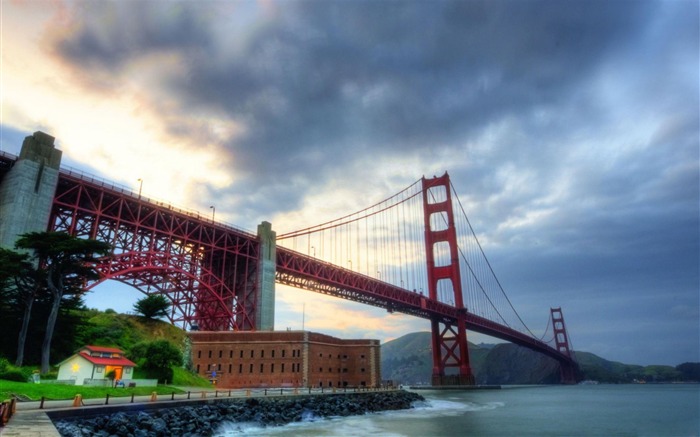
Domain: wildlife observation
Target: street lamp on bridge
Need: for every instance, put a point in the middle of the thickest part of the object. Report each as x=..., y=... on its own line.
x=213, y=212
x=140, y=181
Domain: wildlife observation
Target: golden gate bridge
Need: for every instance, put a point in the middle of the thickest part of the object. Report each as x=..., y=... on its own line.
x=414, y=252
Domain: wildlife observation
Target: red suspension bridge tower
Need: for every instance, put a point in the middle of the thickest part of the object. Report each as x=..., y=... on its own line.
x=449, y=337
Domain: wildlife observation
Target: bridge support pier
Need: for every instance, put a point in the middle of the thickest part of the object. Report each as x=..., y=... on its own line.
x=27, y=191
x=267, y=263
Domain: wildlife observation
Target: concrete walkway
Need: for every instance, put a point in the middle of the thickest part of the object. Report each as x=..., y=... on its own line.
x=30, y=418
x=32, y=423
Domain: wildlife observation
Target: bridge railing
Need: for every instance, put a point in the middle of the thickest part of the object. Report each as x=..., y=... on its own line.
x=104, y=183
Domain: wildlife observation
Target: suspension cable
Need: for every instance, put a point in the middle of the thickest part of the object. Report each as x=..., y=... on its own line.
x=488, y=263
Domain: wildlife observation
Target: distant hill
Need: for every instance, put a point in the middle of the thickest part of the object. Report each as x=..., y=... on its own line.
x=408, y=360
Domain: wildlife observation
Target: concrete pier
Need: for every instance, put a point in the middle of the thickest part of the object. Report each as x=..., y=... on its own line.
x=27, y=191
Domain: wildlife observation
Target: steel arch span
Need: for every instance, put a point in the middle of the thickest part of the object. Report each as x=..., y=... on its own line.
x=208, y=271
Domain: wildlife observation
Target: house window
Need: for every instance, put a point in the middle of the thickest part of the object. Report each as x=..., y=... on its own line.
x=127, y=370
x=99, y=369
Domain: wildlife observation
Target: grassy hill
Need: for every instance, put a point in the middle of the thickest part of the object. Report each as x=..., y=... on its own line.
x=124, y=330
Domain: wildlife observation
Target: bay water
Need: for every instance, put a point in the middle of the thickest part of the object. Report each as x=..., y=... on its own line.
x=654, y=410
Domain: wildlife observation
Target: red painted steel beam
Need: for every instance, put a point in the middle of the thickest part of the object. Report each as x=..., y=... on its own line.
x=207, y=270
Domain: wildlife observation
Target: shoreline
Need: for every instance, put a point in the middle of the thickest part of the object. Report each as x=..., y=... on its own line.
x=204, y=417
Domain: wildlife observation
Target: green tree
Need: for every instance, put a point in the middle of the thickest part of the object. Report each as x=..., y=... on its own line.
x=20, y=282
x=67, y=262
x=152, y=306
x=156, y=358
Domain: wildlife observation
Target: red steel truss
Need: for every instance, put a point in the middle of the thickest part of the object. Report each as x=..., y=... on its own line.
x=208, y=271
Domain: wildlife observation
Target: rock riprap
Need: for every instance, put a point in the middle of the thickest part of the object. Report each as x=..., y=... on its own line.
x=204, y=419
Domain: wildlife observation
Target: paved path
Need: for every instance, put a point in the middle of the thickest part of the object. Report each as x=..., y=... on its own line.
x=30, y=418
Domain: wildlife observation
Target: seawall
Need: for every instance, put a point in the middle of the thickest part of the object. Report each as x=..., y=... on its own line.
x=198, y=418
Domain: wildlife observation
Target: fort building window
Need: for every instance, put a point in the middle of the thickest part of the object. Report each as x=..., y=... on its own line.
x=209, y=354
x=241, y=353
x=199, y=354
x=221, y=354
x=251, y=368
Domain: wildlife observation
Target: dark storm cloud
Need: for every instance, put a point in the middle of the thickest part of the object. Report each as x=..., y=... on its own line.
x=321, y=83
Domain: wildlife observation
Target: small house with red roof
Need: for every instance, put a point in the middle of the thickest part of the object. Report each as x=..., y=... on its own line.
x=95, y=362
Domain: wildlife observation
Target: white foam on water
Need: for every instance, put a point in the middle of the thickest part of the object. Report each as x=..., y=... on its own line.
x=359, y=426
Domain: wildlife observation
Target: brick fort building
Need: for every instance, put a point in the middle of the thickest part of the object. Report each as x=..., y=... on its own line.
x=245, y=359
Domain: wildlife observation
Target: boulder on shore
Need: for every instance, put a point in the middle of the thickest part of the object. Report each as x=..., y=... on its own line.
x=204, y=420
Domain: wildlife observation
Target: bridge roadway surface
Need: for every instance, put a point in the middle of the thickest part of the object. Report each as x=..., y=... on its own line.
x=31, y=421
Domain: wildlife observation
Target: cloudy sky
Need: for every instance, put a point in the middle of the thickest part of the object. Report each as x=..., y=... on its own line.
x=569, y=128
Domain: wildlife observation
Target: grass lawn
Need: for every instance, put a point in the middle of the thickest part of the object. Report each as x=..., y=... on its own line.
x=55, y=391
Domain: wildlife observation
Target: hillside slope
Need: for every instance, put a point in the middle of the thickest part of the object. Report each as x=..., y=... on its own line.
x=124, y=330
